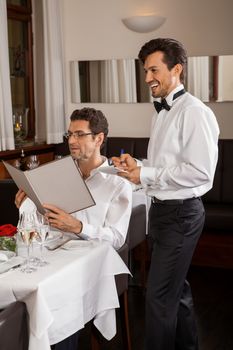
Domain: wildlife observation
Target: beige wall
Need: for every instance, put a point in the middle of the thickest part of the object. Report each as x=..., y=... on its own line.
x=93, y=30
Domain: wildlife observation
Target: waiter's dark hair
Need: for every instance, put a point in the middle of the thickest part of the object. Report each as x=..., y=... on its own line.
x=173, y=53
x=97, y=120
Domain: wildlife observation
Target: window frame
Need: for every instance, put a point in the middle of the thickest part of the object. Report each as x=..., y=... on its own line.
x=24, y=14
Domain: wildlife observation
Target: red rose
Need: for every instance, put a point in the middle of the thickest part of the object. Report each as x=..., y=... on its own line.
x=7, y=230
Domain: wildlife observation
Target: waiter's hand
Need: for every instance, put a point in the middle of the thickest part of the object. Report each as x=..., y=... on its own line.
x=19, y=198
x=129, y=166
x=58, y=218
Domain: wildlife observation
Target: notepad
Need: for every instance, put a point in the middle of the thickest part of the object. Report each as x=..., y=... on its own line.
x=111, y=170
x=59, y=183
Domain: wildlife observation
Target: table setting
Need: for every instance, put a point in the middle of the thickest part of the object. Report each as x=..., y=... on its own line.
x=69, y=284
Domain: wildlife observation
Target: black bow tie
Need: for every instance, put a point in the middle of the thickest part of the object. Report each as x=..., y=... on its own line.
x=164, y=105
x=161, y=105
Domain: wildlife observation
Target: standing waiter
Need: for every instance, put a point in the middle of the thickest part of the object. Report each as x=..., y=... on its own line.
x=182, y=157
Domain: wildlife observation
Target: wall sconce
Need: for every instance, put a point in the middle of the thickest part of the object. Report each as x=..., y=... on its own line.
x=143, y=24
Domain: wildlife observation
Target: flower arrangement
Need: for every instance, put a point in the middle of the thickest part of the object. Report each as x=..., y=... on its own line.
x=7, y=237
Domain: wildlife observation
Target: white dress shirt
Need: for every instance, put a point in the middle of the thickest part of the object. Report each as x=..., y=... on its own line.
x=182, y=151
x=108, y=220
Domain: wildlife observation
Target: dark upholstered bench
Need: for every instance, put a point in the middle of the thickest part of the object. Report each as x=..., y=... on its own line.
x=215, y=247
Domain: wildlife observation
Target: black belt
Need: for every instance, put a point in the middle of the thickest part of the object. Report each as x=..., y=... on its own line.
x=155, y=200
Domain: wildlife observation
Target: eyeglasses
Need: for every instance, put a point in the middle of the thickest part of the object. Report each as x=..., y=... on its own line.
x=77, y=134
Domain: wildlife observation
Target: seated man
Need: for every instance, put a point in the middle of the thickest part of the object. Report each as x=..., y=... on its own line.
x=108, y=220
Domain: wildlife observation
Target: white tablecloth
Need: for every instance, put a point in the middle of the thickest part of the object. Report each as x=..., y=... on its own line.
x=77, y=286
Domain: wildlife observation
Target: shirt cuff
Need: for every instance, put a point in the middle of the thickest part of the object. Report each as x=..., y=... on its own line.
x=87, y=229
x=147, y=175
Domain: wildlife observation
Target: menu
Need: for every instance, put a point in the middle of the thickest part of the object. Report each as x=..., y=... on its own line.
x=59, y=183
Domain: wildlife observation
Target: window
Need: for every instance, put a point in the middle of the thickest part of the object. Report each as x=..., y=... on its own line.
x=19, y=13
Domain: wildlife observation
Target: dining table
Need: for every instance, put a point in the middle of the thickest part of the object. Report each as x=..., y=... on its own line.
x=76, y=286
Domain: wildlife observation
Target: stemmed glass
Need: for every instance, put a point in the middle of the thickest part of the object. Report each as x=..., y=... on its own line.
x=33, y=162
x=42, y=233
x=26, y=231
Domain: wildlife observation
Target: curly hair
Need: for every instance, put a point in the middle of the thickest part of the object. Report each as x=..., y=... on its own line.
x=173, y=53
x=97, y=121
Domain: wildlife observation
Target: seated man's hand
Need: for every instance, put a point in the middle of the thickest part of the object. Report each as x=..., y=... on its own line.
x=129, y=166
x=58, y=218
x=19, y=198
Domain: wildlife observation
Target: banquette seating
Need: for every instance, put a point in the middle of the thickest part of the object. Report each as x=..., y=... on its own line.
x=215, y=248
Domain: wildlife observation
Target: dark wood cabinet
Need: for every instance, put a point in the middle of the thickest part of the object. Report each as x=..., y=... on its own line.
x=44, y=152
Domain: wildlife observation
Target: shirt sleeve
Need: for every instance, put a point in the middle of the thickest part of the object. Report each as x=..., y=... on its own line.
x=196, y=163
x=115, y=226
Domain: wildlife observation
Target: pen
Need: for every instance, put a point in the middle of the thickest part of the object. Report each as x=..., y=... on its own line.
x=110, y=162
x=122, y=152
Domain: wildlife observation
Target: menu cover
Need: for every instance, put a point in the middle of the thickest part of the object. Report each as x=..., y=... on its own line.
x=59, y=183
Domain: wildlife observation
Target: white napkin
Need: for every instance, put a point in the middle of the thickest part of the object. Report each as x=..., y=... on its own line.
x=77, y=244
x=3, y=257
x=111, y=170
x=9, y=264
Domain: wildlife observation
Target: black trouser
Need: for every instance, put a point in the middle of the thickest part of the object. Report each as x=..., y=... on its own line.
x=70, y=343
x=175, y=230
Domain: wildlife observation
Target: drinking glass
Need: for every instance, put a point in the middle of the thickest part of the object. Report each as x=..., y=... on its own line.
x=26, y=231
x=42, y=233
x=58, y=156
x=33, y=162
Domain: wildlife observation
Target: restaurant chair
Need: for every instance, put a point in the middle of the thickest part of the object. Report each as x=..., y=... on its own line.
x=122, y=291
x=14, y=327
x=136, y=234
x=136, y=238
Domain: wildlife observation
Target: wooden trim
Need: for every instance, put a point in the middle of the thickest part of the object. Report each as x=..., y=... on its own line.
x=28, y=150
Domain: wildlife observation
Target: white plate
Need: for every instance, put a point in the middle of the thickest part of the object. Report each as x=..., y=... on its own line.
x=53, y=236
x=111, y=170
x=76, y=244
x=5, y=255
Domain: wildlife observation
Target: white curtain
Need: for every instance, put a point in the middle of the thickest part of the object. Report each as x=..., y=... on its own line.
x=128, y=92
x=109, y=81
x=225, y=78
x=50, y=82
x=198, y=77
x=75, y=85
x=6, y=123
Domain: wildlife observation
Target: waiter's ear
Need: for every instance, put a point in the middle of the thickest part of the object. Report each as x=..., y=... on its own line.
x=178, y=69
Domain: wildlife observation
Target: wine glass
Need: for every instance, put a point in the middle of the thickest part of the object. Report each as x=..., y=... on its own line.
x=33, y=162
x=26, y=231
x=42, y=233
x=58, y=156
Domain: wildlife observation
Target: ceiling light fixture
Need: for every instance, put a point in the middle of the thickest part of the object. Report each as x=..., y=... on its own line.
x=144, y=23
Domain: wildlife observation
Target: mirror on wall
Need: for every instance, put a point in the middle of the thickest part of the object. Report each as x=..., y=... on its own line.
x=209, y=78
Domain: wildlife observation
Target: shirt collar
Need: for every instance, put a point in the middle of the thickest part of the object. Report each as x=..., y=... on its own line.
x=169, y=97
x=96, y=170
